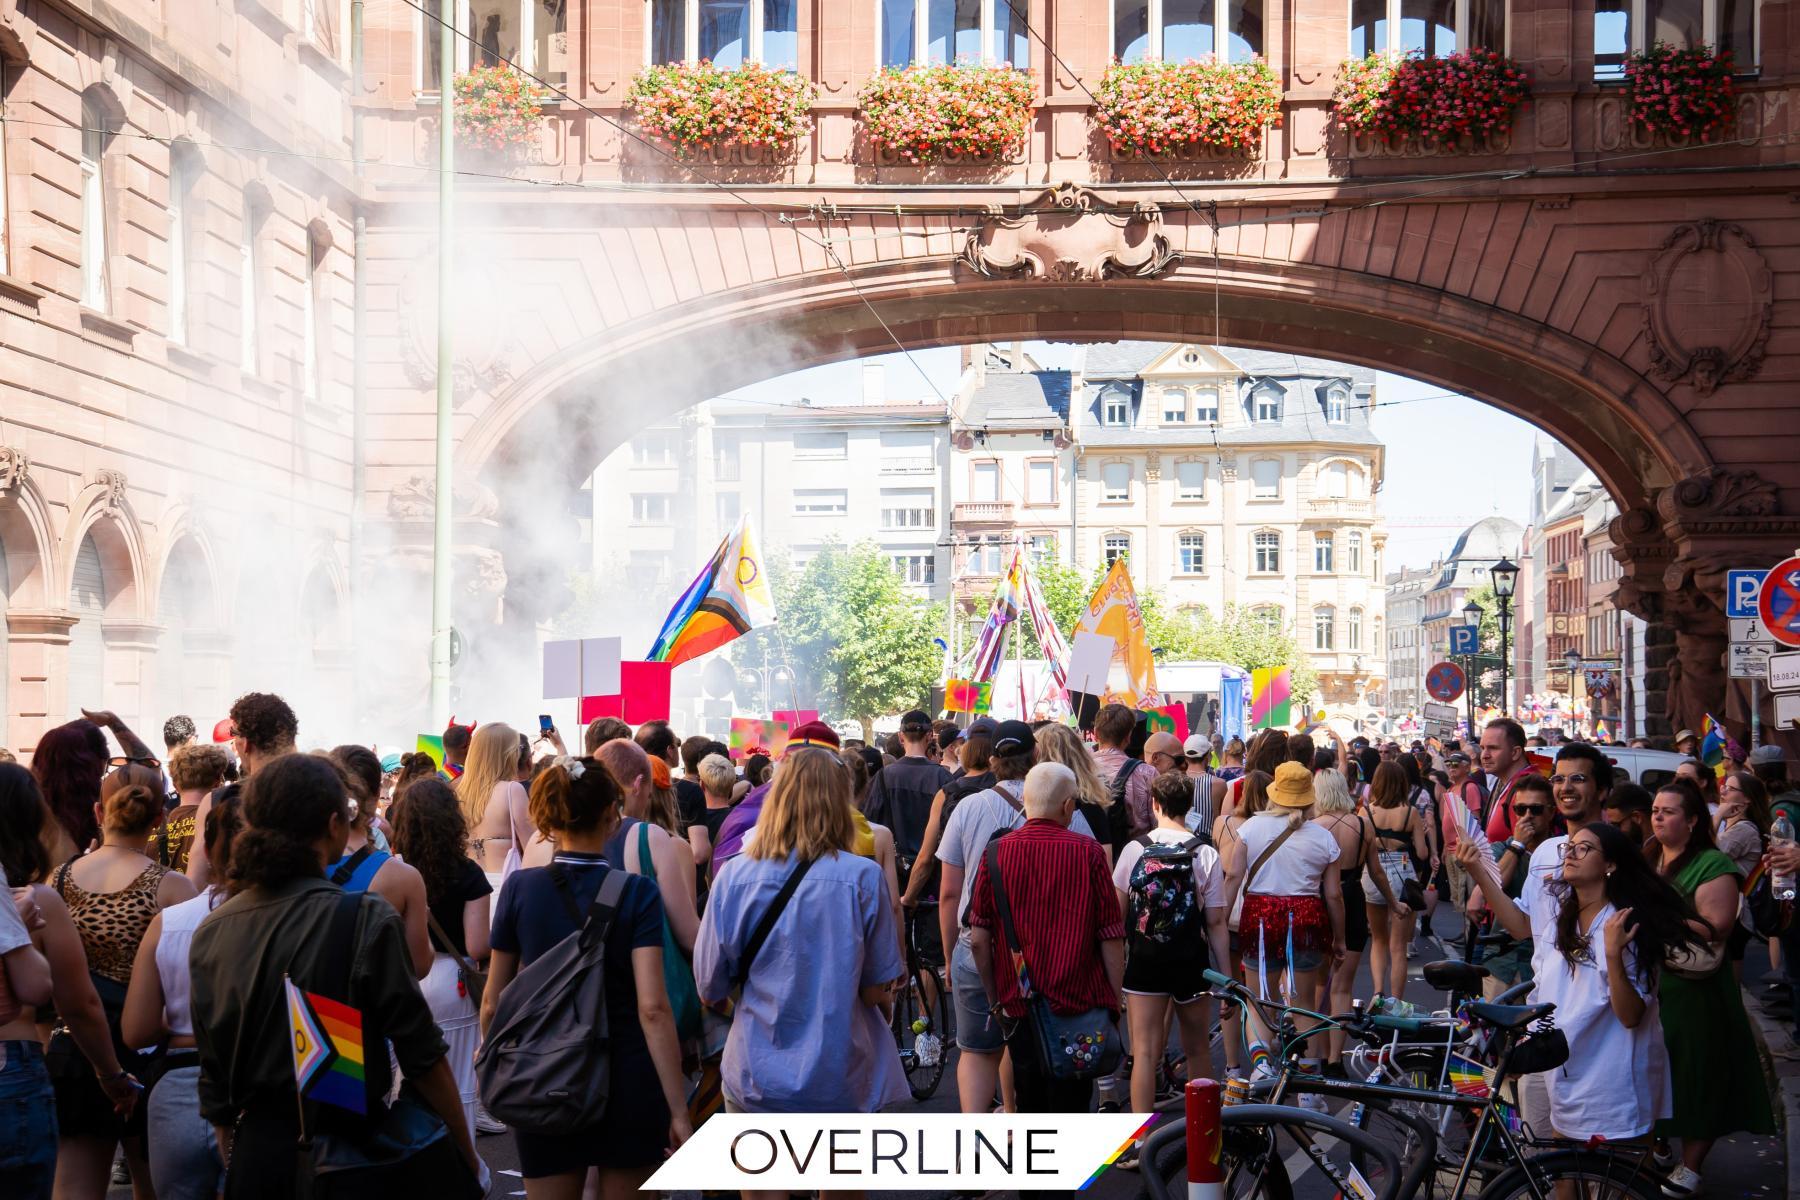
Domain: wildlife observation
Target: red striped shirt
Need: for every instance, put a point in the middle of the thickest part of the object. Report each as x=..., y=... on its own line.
x=1063, y=904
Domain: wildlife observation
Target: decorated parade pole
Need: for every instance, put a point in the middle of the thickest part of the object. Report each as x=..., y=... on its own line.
x=442, y=566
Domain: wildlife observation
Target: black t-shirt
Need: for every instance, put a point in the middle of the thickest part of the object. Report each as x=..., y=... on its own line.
x=714, y=820
x=471, y=883
x=900, y=797
x=690, y=801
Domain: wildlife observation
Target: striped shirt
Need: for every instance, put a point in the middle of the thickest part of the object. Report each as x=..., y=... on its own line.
x=1064, y=906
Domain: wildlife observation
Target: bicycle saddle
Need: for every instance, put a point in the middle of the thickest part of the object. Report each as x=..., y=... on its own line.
x=1509, y=1016
x=1454, y=975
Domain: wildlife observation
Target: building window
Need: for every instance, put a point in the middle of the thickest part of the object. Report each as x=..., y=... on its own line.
x=1115, y=546
x=1268, y=616
x=919, y=570
x=821, y=502
x=1190, y=480
x=1334, y=481
x=654, y=448
x=953, y=31
x=1323, y=545
x=726, y=33
x=1353, y=552
x=1622, y=27
x=1426, y=26
x=1337, y=406
x=1040, y=481
x=1116, y=411
x=96, y=136
x=984, y=555
x=1179, y=30
x=1115, y=485
x=1206, y=406
x=182, y=174
x=820, y=446
x=310, y=310
x=728, y=457
x=1174, y=406
x=1268, y=552
x=532, y=35
x=430, y=28
x=908, y=510
x=250, y=284
x=1324, y=618
x=1043, y=548
x=649, y=509
x=1265, y=479
x=727, y=508
x=908, y=452
x=986, y=483
x=1265, y=404
x=1353, y=631
x=649, y=566
x=1191, y=552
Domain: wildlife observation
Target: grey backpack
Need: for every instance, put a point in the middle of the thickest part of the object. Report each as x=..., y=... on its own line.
x=546, y=1064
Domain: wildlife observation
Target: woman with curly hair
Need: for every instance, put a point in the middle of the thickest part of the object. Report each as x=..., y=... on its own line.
x=431, y=834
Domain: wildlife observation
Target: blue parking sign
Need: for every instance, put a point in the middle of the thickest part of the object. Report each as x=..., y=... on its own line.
x=1465, y=639
x=1741, y=588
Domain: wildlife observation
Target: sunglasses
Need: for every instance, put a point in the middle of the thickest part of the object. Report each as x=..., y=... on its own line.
x=125, y=760
x=1530, y=810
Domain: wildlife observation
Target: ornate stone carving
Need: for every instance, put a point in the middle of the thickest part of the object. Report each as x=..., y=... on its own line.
x=485, y=345
x=416, y=500
x=114, y=483
x=1067, y=235
x=1709, y=301
x=1716, y=493
x=15, y=468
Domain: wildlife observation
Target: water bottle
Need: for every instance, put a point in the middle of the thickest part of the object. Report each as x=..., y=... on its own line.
x=1781, y=833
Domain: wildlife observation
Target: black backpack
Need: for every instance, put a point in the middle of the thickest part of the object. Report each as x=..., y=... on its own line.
x=546, y=1064
x=1119, y=781
x=1162, y=898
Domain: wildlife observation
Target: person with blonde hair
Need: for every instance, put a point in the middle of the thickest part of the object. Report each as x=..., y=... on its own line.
x=1335, y=811
x=494, y=802
x=1093, y=799
x=809, y=1033
x=719, y=779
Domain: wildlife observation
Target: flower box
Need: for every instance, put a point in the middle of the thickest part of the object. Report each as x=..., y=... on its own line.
x=1464, y=99
x=924, y=114
x=1154, y=109
x=697, y=106
x=1680, y=93
x=497, y=111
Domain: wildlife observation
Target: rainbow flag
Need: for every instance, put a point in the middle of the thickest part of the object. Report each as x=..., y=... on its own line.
x=1712, y=744
x=1271, y=704
x=728, y=599
x=1468, y=1078
x=328, y=1049
x=967, y=696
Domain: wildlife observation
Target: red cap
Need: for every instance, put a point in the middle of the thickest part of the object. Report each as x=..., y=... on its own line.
x=813, y=733
x=224, y=731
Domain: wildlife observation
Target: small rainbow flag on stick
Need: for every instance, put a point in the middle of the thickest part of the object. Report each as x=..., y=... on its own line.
x=1271, y=703
x=328, y=1050
x=1712, y=744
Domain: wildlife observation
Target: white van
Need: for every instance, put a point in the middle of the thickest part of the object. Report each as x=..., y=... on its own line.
x=1650, y=768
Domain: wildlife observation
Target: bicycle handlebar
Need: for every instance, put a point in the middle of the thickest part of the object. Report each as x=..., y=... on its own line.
x=1239, y=993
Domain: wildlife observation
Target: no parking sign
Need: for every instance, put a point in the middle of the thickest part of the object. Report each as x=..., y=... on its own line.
x=1778, y=602
x=1445, y=682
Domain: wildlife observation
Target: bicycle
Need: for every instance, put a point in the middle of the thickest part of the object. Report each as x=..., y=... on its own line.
x=922, y=1023
x=1509, y=1165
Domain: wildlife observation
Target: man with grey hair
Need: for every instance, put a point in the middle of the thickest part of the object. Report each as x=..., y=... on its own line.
x=1063, y=914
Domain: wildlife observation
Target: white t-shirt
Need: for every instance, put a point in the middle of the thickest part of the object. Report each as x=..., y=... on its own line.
x=1296, y=868
x=1209, y=877
x=12, y=929
x=1616, y=1082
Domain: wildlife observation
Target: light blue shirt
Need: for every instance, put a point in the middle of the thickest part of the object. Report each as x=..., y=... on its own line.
x=801, y=1040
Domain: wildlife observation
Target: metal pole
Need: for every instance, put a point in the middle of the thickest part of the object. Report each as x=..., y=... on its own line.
x=1205, y=1140
x=442, y=566
x=1755, y=712
x=1469, y=694
x=359, y=417
x=1505, y=628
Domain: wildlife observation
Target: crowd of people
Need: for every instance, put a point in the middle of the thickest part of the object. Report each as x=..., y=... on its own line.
x=746, y=926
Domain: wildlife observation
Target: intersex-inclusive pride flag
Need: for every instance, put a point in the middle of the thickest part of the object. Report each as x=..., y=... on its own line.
x=328, y=1049
x=1270, y=697
x=728, y=599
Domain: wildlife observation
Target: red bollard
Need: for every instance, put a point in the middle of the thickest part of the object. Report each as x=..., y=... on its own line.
x=1205, y=1141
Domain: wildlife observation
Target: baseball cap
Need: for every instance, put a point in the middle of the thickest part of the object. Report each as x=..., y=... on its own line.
x=985, y=725
x=1197, y=746
x=915, y=722
x=1457, y=758
x=1012, y=736
x=1765, y=755
x=813, y=733
x=224, y=731
x=1685, y=735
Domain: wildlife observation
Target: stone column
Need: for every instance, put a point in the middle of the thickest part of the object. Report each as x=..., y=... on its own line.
x=37, y=661
x=130, y=667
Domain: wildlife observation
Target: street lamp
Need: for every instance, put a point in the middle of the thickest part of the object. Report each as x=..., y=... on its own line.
x=1573, y=659
x=1472, y=618
x=1505, y=575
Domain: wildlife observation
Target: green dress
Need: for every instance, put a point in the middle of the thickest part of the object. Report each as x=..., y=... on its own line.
x=1714, y=1069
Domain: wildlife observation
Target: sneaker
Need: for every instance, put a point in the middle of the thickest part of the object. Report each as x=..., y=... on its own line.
x=1683, y=1183
x=1313, y=1103
x=485, y=1123
x=121, y=1174
x=1663, y=1155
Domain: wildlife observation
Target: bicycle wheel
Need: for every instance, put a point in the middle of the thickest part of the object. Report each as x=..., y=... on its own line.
x=1253, y=1165
x=922, y=1031
x=1574, y=1175
x=1388, y=1121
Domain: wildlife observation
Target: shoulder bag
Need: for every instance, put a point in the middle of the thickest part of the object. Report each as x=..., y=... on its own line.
x=678, y=973
x=1083, y=1046
x=471, y=974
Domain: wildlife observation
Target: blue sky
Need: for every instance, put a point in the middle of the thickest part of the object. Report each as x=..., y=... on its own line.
x=1451, y=460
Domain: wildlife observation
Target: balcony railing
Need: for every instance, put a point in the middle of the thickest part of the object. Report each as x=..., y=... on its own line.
x=1323, y=506
x=983, y=512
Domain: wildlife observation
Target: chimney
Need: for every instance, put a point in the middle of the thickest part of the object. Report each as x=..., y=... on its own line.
x=1018, y=356
x=874, y=389
x=974, y=357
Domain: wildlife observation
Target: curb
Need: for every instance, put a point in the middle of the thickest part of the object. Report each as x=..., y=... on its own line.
x=1781, y=1063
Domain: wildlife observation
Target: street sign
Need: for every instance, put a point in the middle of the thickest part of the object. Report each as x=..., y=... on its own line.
x=1787, y=709
x=1741, y=588
x=1748, y=629
x=1439, y=712
x=1749, y=660
x=1445, y=682
x=1784, y=673
x=1778, y=602
x=1464, y=639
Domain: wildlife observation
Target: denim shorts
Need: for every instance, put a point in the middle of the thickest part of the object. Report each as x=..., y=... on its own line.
x=27, y=1123
x=977, y=1029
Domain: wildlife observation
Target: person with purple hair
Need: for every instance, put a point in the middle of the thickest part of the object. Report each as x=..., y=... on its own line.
x=68, y=764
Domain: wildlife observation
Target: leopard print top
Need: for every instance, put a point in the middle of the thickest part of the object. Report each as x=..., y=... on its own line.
x=111, y=924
